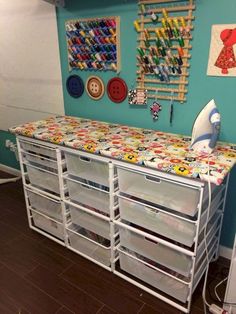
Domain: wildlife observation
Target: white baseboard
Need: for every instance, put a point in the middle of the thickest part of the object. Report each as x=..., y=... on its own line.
x=10, y=170
x=226, y=252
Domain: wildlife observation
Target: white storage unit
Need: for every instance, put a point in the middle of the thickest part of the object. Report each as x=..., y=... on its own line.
x=144, y=225
x=162, y=226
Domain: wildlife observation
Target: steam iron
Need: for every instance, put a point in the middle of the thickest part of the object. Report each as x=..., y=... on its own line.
x=206, y=129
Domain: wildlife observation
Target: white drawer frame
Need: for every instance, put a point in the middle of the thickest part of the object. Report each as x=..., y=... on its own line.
x=113, y=217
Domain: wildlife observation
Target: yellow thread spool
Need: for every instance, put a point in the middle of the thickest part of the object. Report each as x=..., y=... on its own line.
x=170, y=21
x=136, y=25
x=163, y=33
x=157, y=31
x=163, y=22
x=142, y=8
x=146, y=33
x=182, y=20
x=165, y=14
x=176, y=23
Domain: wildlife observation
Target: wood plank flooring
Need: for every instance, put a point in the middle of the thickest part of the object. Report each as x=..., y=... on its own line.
x=38, y=276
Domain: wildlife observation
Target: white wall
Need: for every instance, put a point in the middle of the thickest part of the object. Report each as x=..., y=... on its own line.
x=30, y=74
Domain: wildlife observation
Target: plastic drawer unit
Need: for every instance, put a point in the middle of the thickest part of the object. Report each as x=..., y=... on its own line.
x=90, y=222
x=88, y=168
x=89, y=244
x=166, y=193
x=45, y=205
x=50, y=226
x=89, y=196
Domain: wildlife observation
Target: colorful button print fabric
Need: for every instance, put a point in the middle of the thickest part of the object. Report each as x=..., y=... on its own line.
x=162, y=151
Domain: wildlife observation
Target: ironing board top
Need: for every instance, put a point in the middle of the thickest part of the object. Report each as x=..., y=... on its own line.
x=163, y=151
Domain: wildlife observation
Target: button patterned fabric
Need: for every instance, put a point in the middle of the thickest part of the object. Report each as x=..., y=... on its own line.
x=154, y=149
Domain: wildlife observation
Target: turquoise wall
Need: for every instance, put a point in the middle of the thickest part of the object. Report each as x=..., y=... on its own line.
x=7, y=157
x=201, y=88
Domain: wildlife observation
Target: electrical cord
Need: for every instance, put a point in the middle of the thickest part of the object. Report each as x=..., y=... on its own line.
x=215, y=289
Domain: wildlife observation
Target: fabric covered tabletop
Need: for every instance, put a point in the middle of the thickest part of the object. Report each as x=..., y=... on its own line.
x=162, y=151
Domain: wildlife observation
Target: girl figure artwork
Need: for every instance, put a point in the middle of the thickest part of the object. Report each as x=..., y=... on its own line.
x=226, y=59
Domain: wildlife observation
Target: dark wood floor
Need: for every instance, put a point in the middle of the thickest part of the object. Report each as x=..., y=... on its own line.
x=39, y=276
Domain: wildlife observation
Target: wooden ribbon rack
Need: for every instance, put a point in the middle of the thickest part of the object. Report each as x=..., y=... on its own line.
x=164, y=34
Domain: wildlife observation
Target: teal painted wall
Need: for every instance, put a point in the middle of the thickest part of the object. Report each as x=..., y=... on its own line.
x=7, y=157
x=200, y=90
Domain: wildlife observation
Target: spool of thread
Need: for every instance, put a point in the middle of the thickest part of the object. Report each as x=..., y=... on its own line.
x=158, y=43
x=156, y=60
x=113, y=66
x=140, y=51
x=154, y=17
x=146, y=60
x=147, y=43
x=158, y=33
x=165, y=14
x=182, y=20
x=142, y=7
x=113, y=40
x=176, y=23
x=146, y=34
x=163, y=22
x=136, y=25
x=181, y=41
x=180, y=51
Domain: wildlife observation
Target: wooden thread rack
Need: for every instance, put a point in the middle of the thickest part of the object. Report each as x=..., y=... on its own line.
x=176, y=86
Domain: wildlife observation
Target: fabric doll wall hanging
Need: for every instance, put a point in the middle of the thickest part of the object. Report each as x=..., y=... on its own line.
x=222, y=56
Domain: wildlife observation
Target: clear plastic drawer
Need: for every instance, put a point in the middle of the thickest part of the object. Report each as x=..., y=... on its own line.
x=88, y=168
x=88, y=196
x=43, y=179
x=45, y=163
x=171, y=227
x=46, y=205
x=151, y=275
x=90, y=222
x=159, y=191
x=50, y=226
x=86, y=243
x=40, y=150
x=155, y=251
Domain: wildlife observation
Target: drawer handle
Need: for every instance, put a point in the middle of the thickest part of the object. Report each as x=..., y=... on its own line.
x=150, y=240
x=153, y=179
x=151, y=210
x=85, y=159
x=85, y=187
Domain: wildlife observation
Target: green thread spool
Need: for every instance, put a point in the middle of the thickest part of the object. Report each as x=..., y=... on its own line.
x=140, y=51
